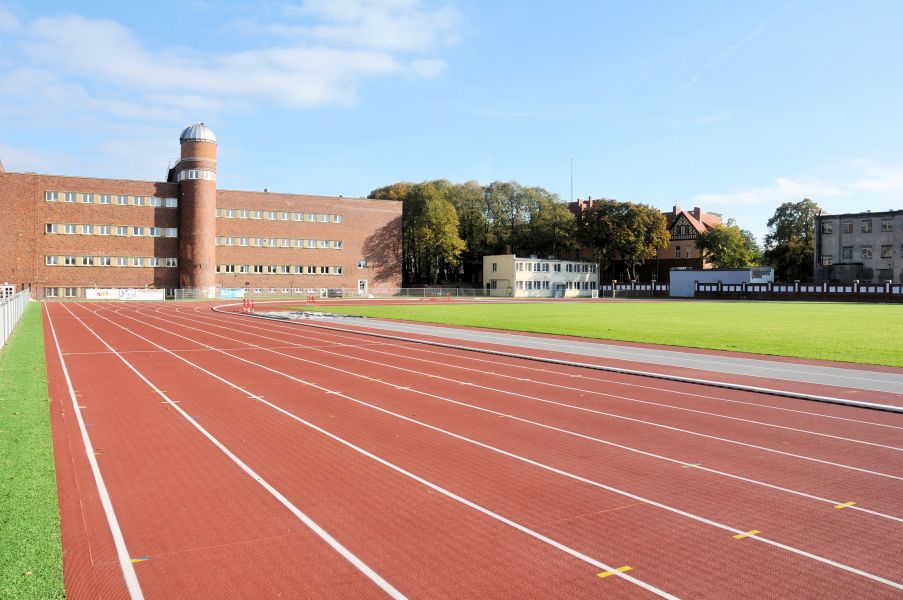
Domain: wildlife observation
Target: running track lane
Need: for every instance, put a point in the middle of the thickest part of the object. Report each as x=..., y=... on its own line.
x=401, y=528
x=806, y=533
x=258, y=376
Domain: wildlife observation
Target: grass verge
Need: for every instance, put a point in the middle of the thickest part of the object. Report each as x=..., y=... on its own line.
x=858, y=333
x=31, y=560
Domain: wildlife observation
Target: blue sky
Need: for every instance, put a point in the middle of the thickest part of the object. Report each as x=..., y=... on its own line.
x=734, y=107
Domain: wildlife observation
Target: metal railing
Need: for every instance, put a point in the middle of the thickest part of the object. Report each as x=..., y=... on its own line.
x=11, y=310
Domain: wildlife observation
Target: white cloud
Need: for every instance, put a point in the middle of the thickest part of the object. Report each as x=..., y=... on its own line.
x=324, y=61
x=867, y=181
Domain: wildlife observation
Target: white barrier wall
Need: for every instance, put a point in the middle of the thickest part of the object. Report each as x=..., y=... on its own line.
x=124, y=294
x=11, y=310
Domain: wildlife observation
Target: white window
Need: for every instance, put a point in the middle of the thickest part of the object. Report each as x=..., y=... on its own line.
x=219, y=213
x=336, y=218
x=87, y=229
x=52, y=292
x=285, y=243
x=324, y=243
x=154, y=261
x=271, y=269
x=338, y=244
x=69, y=261
x=337, y=270
x=172, y=262
x=557, y=268
x=170, y=202
x=105, y=261
x=362, y=264
x=311, y=243
x=258, y=268
x=243, y=213
x=230, y=213
x=138, y=201
x=71, y=292
x=827, y=260
x=271, y=215
x=68, y=228
x=298, y=216
x=227, y=241
x=87, y=261
x=209, y=175
x=243, y=241
x=153, y=231
x=154, y=201
x=106, y=199
x=138, y=261
x=311, y=217
x=495, y=267
x=51, y=228
x=299, y=269
x=137, y=231
x=189, y=174
x=298, y=243
x=228, y=268
x=520, y=266
x=285, y=216
x=311, y=270
x=258, y=214
x=172, y=232
x=87, y=198
x=866, y=252
x=122, y=200
x=285, y=269
x=51, y=197
x=258, y=242
x=51, y=260
x=69, y=197
x=122, y=230
x=122, y=261
x=244, y=268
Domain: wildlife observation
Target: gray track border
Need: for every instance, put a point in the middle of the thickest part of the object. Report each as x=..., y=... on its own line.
x=555, y=361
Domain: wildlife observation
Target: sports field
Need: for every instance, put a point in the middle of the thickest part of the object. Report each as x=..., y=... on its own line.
x=858, y=333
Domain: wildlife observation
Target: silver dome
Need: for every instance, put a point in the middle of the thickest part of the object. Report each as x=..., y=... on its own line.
x=197, y=133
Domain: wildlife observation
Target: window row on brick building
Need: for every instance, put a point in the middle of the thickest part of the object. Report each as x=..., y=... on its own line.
x=865, y=253
x=276, y=215
x=280, y=269
x=110, y=199
x=260, y=242
x=55, y=260
x=115, y=230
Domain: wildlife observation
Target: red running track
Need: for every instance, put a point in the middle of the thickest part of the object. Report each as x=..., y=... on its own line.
x=258, y=459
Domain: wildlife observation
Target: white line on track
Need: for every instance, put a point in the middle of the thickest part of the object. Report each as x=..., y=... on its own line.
x=325, y=350
x=460, y=499
x=593, y=483
x=310, y=523
x=593, y=411
x=596, y=377
x=122, y=553
x=597, y=439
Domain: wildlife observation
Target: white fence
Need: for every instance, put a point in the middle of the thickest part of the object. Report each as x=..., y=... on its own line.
x=11, y=310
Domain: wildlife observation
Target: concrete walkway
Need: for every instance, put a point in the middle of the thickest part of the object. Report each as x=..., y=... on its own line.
x=848, y=377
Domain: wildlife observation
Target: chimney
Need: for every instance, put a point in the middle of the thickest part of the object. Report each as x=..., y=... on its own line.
x=697, y=212
x=676, y=210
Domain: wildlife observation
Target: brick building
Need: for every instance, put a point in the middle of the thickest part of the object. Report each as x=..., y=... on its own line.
x=681, y=252
x=64, y=234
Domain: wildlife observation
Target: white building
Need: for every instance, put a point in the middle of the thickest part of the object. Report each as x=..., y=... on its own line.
x=510, y=275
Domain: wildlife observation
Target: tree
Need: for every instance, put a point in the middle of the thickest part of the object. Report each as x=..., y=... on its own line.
x=790, y=242
x=630, y=232
x=728, y=246
x=437, y=237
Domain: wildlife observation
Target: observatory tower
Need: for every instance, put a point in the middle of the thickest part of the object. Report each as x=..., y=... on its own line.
x=196, y=174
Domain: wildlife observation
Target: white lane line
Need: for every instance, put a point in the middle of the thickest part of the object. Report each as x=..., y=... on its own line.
x=599, y=412
x=310, y=523
x=449, y=494
x=607, y=442
x=545, y=467
x=569, y=388
x=125, y=561
x=291, y=329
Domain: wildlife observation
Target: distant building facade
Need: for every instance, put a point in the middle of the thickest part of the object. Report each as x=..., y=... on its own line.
x=684, y=226
x=65, y=234
x=532, y=277
x=864, y=246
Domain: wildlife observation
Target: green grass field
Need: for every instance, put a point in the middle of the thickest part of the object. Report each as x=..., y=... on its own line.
x=31, y=560
x=859, y=333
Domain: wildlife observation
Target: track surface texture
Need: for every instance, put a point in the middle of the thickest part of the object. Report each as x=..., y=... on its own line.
x=216, y=455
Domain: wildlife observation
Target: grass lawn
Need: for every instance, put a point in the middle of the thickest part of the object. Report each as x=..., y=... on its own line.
x=860, y=333
x=31, y=560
